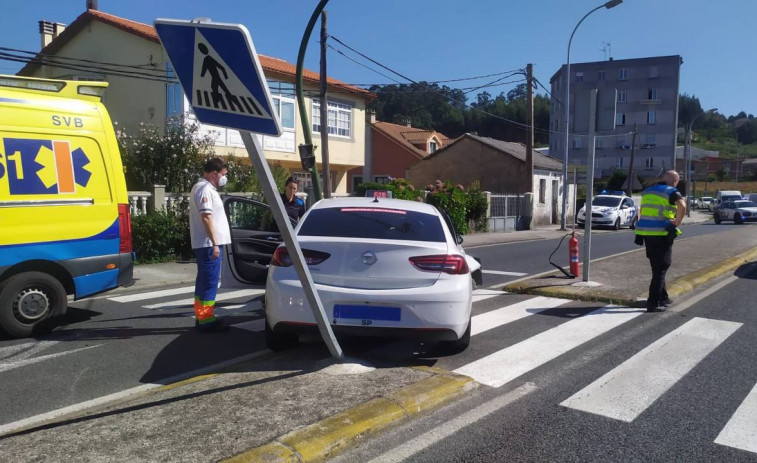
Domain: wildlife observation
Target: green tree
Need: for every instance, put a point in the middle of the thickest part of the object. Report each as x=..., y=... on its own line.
x=173, y=157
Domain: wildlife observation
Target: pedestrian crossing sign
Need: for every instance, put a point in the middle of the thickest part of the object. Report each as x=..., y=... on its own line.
x=220, y=73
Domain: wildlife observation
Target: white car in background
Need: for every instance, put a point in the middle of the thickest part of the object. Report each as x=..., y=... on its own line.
x=614, y=210
x=382, y=267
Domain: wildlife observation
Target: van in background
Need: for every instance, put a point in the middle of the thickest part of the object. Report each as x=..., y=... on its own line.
x=727, y=195
x=65, y=226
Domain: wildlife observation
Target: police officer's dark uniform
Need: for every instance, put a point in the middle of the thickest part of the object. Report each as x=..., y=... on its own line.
x=654, y=228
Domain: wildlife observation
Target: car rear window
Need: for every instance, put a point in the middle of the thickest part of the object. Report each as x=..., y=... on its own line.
x=373, y=223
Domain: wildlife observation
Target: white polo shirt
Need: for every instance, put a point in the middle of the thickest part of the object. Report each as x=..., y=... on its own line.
x=204, y=199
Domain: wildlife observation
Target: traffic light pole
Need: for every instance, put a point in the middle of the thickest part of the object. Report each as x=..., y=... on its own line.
x=307, y=150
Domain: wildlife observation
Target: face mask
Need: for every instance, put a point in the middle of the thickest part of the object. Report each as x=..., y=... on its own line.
x=222, y=181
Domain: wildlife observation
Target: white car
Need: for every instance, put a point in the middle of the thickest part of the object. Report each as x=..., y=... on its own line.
x=382, y=267
x=610, y=210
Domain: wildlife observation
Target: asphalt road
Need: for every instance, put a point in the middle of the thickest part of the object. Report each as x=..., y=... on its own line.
x=679, y=386
x=503, y=263
x=111, y=343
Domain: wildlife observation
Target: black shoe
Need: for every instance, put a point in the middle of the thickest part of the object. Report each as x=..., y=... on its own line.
x=667, y=302
x=217, y=326
x=659, y=308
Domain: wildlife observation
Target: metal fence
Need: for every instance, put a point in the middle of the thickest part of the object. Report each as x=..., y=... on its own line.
x=505, y=212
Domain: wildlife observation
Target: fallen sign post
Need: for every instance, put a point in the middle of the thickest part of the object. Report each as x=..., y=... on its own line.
x=221, y=75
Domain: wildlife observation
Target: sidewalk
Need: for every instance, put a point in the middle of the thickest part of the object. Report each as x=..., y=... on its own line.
x=301, y=405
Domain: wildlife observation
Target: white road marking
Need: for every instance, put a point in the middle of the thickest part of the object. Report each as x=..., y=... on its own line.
x=5, y=366
x=483, y=294
x=253, y=325
x=507, y=364
x=426, y=440
x=220, y=297
x=741, y=430
x=630, y=388
x=152, y=294
x=25, y=350
x=62, y=413
x=498, y=272
x=504, y=315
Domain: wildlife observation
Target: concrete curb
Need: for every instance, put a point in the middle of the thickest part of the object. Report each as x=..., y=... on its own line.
x=334, y=434
x=678, y=287
x=695, y=279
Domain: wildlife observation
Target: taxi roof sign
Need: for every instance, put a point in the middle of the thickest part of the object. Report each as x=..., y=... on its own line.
x=220, y=73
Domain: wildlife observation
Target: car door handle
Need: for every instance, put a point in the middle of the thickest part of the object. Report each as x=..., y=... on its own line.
x=272, y=238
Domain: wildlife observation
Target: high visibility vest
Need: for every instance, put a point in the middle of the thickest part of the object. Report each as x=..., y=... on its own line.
x=656, y=211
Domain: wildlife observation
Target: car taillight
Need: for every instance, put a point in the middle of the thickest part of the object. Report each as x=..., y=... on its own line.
x=124, y=228
x=452, y=264
x=281, y=257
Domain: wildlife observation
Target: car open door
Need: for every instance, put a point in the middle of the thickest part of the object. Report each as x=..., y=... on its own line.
x=254, y=238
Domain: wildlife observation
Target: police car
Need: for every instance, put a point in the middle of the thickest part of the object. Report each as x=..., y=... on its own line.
x=610, y=209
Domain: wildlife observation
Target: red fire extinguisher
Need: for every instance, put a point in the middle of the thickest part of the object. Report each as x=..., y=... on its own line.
x=573, y=253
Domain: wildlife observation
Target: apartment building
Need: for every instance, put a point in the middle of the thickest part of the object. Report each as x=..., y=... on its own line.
x=639, y=93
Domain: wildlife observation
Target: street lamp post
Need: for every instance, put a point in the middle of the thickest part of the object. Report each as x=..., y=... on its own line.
x=687, y=158
x=608, y=5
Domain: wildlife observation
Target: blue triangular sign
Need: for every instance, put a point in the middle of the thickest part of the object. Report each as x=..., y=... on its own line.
x=220, y=73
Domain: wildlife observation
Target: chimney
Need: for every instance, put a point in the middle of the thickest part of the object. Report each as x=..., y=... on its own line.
x=48, y=31
x=91, y=4
x=409, y=122
x=371, y=116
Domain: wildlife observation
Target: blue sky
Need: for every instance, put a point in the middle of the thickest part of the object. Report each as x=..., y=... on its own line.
x=437, y=40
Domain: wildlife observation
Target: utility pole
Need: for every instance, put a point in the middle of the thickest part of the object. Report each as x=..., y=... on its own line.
x=530, y=122
x=324, y=113
x=630, y=163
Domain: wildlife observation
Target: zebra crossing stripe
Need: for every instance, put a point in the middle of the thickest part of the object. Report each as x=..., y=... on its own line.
x=507, y=364
x=630, y=388
x=152, y=294
x=741, y=430
x=510, y=313
x=219, y=297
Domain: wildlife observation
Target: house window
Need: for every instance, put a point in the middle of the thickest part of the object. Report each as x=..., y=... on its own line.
x=576, y=143
x=432, y=146
x=542, y=191
x=282, y=97
x=619, y=142
x=620, y=119
x=579, y=77
x=652, y=93
x=601, y=75
x=623, y=74
x=649, y=163
x=622, y=97
x=651, y=115
x=654, y=72
x=619, y=162
x=599, y=143
x=339, y=115
x=650, y=141
x=382, y=179
x=174, y=95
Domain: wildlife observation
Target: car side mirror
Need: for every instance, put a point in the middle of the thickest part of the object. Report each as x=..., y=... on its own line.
x=459, y=239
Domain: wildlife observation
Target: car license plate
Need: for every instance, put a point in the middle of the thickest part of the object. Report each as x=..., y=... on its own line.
x=367, y=312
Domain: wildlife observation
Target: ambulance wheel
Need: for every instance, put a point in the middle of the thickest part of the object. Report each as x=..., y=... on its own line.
x=26, y=300
x=717, y=219
x=616, y=227
x=278, y=342
x=737, y=219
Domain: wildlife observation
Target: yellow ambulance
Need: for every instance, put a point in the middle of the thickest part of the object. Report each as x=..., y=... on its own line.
x=65, y=226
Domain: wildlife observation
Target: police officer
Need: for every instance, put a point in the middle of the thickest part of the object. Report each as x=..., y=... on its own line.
x=294, y=206
x=662, y=211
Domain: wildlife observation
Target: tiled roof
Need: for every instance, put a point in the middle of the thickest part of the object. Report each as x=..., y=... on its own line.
x=518, y=151
x=148, y=32
x=409, y=137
